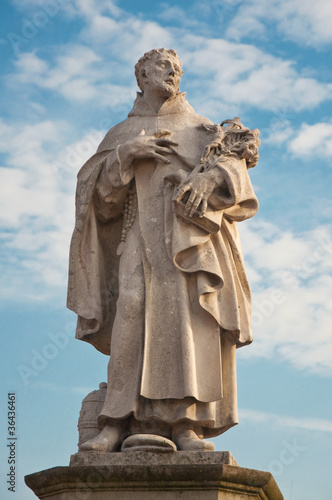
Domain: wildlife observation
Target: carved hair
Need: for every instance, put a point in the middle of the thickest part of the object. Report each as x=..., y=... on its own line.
x=149, y=55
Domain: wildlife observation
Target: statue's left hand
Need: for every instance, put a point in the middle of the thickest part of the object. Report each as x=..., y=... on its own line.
x=200, y=188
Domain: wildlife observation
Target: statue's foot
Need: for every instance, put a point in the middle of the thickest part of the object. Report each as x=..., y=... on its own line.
x=108, y=440
x=187, y=440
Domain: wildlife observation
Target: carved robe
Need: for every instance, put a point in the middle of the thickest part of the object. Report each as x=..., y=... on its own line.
x=173, y=308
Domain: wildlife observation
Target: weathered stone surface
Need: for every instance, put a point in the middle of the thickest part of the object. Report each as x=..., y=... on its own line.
x=148, y=458
x=149, y=476
x=148, y=442
x=158, y=282
x=88, y=419
x=156, y=265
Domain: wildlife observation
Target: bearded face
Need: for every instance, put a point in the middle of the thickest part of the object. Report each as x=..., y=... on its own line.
x=162, y=75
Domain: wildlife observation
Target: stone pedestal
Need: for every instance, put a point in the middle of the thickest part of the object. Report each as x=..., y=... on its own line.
x=150, y=476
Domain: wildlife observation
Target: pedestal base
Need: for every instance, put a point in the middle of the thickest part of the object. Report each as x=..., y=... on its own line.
x=150, y=476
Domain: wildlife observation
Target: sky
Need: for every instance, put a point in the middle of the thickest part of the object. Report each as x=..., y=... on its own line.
x=66, y=78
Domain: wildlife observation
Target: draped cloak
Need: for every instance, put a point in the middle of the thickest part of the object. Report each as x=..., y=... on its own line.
x=197, y=303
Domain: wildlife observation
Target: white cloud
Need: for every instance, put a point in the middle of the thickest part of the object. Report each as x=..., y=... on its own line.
x=232, y=75
x=78, y=74
x=74, y=64
x=291, y=312
x=292, y=306
x=243, y=75
x=291, y=275
x=186, y=17
x=306, y=141
x=37, y=205
x=301, y=21
x=312, y=140
x=91, y=8
x=278, y=132
x=29, y=187
x=106, y=23
x=307, y=423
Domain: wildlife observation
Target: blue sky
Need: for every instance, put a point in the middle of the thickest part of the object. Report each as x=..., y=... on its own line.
x=66, y=77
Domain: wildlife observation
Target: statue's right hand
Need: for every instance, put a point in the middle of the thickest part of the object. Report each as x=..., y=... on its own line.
x=146, y=146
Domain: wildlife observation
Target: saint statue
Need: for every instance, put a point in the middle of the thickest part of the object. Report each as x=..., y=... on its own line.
x=156, y=273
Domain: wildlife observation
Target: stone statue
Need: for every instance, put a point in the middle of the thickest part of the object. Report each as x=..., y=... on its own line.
x=156, y=270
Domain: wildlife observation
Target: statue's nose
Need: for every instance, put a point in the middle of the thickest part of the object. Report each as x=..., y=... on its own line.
x=171, y=72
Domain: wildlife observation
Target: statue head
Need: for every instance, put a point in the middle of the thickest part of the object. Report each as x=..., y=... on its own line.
x=159, y=70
